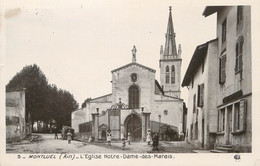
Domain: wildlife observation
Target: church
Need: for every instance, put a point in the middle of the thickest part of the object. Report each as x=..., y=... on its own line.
x=138, y=102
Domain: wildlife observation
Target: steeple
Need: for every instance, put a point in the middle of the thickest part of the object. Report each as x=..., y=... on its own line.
x=170, y=62
x=170, y=45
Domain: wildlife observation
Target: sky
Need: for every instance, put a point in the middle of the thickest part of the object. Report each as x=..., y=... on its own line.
x=78, y=44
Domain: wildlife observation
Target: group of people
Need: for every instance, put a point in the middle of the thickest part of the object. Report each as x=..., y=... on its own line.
x=155, y=139
x=69, y=136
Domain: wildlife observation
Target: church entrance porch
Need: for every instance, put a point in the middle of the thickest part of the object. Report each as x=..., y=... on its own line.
x=121, y=122
x=133, y=124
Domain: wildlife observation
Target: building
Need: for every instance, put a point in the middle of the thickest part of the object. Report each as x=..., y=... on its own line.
x=229, y=126
x=138, y=102
x=202, y=110
x=18, y=123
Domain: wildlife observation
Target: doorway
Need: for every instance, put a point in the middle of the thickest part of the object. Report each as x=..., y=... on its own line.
x=134, y=125
x=229, y=125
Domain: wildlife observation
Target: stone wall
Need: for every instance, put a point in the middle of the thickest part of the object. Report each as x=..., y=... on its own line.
x=15, y=116
x=206, y=115
x=234, y=82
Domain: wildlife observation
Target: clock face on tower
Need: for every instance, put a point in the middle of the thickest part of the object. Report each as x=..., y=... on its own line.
x=134, y=77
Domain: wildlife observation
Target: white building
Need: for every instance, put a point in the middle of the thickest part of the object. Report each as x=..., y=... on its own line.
x=228, y=123
x=138, y=102
x=201, y=77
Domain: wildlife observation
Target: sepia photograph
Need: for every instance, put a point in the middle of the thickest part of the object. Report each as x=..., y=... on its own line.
x=95, y=80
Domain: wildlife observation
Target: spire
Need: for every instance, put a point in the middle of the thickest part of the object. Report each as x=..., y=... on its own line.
x=170, y=45
x=134, y=54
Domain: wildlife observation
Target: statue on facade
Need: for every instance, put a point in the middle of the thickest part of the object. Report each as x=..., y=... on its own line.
x=134, y=54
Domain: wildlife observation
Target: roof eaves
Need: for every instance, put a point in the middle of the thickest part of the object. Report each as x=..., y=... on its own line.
x=133, y=63
x=199, y=53
x=209, y=10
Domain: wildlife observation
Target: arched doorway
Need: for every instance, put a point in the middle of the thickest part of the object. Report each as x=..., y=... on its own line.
x=133, y=123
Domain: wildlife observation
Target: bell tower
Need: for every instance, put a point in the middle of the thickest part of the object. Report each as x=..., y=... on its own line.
x=170, y=62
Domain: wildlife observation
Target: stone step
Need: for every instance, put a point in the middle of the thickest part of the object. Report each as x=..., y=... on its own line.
x=224, y=149
x=227, y=146
x=218, y=151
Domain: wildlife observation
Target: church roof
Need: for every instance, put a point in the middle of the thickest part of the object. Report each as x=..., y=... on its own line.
x=159, y=87
x=133, y=64
x=104, y=97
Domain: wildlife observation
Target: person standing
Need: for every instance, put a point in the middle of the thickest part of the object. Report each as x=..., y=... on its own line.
x=109, y=138
x=148, y=137
x=155, y=142
x=56, y=134
x=69, y=137
x=123, y=143
x=129, y=137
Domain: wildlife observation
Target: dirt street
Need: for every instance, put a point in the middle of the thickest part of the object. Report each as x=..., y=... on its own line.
x=45, y=143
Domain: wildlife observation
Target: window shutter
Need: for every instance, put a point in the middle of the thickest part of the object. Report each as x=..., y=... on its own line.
x=240, y=62
x=236, y=65
x=198, y=101
x=224, y=69
x=218, y=121
x=219, y=71
x=201, y=95
x=242, y=119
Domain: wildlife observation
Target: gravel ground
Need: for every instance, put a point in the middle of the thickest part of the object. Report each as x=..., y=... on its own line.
x=45, y=143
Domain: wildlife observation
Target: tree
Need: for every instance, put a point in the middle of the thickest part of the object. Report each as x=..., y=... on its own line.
x=34, y=81
x=44, y=102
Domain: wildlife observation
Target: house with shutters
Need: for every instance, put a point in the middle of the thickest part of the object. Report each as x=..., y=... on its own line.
x=202, y=110
x=227, y=124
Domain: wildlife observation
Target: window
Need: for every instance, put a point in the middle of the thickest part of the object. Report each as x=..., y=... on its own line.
x=196, y=132
x=173, y=75
x=224, y=31
x=133, y=77
x=239, y=55
x=191, y=131
x=222, y=69
x=200, y=95
x=221, y=120
x=194, y=103
x=167, y=75
x=239, y=15
x=237, y=116
x=240, y=116
x=133, y=97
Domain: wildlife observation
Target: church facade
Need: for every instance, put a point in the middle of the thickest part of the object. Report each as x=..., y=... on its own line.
x=138, y=102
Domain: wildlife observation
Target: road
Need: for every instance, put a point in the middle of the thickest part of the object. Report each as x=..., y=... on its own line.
x=47, y=144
